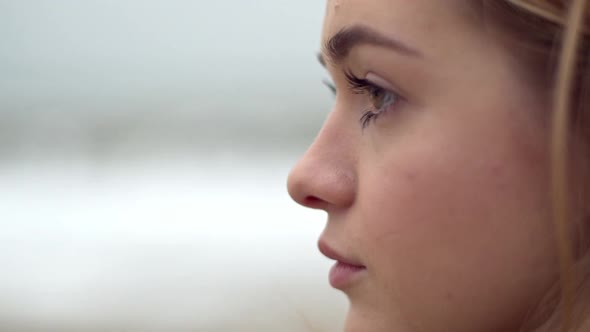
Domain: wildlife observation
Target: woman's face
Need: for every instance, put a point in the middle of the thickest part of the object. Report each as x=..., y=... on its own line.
x=432, y=167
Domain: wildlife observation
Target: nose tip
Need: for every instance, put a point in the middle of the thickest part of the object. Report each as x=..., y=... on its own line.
x=325, y=178
x=318, y=183
x=299, y=189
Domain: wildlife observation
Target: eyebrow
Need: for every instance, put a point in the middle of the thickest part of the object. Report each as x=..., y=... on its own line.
x=339, y=46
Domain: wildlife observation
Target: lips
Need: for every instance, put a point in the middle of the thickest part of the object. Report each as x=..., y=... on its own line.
x=345, y=272
x=332, y=254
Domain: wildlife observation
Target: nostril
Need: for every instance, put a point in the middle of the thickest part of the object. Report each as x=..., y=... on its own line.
x=321, y=189
x=313, y=202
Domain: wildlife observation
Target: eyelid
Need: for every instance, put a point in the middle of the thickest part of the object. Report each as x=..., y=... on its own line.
x=382, y=83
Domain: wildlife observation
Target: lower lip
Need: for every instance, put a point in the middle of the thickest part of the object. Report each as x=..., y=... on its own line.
x=343, y=275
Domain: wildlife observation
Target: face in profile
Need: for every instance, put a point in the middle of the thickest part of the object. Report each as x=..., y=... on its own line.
x=432, y=167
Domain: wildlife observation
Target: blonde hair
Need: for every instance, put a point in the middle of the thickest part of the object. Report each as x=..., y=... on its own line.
x=566, y=307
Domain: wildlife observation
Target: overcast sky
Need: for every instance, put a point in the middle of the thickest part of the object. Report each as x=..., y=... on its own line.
x=56, y=53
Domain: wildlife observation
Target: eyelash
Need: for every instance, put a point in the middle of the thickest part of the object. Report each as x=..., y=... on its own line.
x=363, y=86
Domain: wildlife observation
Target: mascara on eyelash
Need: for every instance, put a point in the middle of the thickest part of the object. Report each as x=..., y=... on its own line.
x=367, y=117
x=358, y=85
x=361, y=86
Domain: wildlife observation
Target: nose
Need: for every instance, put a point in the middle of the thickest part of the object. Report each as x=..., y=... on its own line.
x=325, y=177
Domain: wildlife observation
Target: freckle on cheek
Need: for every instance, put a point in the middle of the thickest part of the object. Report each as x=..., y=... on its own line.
x=449, y=296
x=411, y=175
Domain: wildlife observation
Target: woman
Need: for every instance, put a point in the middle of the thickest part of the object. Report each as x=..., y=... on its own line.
x=458, y=136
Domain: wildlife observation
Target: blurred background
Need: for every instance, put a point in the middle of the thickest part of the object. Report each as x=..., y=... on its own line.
x=144, y=149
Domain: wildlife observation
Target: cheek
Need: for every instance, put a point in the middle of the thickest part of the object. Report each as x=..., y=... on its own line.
x=455, y=236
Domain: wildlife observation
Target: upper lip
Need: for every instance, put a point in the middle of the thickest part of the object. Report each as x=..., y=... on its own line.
x=327, y=251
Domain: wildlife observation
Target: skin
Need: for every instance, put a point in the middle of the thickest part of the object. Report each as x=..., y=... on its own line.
x=445, y=197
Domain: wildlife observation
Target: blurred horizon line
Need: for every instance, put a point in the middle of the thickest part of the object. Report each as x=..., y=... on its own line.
x=111, y=135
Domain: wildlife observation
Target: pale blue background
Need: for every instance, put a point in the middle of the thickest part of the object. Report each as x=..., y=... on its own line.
x=144, y=147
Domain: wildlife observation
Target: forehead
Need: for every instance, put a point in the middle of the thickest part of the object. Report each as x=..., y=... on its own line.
x=425, y=24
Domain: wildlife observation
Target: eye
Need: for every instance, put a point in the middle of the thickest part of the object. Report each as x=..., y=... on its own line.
x=380, y=99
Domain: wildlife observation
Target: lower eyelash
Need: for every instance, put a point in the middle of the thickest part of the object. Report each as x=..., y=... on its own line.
x=362, y=86
x=367, y=117
x=365, y=87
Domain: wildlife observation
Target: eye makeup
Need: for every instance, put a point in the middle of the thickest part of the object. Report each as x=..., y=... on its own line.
x=380, y=94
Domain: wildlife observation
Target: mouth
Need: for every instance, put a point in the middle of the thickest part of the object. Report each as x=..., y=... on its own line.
x=346, y=271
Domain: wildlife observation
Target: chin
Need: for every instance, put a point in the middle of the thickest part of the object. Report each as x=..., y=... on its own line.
x=359, y=320
x=368, y=318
